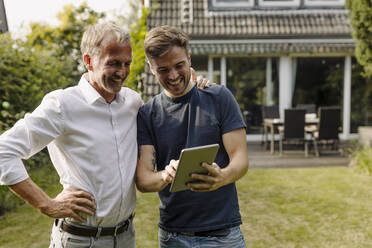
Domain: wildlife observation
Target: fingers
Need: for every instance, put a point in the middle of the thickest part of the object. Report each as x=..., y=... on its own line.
x=209, y=182
x=203, y=83
x=174, y=164
x=79, y=192
x=193, y=75
x=85, y=205
x=170, y=171
x=78, y=197
x=72, y=202
x=200, y=187
x=213, y=169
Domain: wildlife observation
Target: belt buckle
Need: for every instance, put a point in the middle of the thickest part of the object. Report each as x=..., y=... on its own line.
x=187, y=233
x=116, y=230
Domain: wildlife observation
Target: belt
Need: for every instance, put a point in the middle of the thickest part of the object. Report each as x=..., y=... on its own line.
x=89, y=231
x=213, y=233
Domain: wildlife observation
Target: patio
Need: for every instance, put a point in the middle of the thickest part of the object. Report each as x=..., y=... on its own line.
x=259, y=158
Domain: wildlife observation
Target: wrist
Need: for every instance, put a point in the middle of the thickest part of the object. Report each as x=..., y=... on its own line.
x=226, y=175
x=44, y=206
x=164, y=179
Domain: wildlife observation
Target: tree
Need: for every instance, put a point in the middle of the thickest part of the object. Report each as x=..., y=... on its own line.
x=65, y=38
x=135, y=20
x=26, y=75
x=138, y=33
x=361, y=21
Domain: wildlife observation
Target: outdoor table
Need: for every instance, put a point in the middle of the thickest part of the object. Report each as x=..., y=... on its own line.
x=275, y=123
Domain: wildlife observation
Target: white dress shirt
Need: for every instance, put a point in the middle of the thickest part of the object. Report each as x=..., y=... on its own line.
x=92, y=144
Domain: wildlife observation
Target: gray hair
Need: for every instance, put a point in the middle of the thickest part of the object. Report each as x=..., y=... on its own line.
x=94, y=35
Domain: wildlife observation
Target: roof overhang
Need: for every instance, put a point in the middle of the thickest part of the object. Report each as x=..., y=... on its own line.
x=274, y=47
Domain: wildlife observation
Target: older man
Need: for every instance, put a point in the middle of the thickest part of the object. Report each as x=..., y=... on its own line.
x=90, y=130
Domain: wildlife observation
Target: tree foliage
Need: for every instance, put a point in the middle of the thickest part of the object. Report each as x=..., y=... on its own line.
x=135, y=21
x=26, y=75
x=65, y=38
x=361, y=21
x=138, y=33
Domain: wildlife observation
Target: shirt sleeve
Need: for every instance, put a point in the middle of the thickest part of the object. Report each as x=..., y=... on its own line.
x=231, y=117
x=143, y=129
x=27, y=137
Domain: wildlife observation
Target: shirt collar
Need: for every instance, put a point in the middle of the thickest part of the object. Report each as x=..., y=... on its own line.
x=91, y=95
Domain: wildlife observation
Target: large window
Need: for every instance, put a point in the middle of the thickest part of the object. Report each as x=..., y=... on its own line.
x=232, y=3
x=246, y=79
x=319, y=81
x=327, y=3
x=279, y=3
x=239, y=5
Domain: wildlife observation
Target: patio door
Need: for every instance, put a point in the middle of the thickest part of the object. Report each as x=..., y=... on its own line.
x=246, y=79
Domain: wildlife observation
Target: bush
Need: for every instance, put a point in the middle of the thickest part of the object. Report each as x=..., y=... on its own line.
x=362, y=159
x=26, y=75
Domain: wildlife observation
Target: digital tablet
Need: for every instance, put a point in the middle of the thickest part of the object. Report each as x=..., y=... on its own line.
x=190, y=162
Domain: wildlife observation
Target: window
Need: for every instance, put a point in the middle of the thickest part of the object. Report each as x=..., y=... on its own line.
x=324, y=3
x=232, y=3
x=279, y=3
x=186, y=11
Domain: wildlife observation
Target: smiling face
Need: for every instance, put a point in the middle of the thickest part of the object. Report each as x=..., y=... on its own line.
x=108, y=71
x=172, y=70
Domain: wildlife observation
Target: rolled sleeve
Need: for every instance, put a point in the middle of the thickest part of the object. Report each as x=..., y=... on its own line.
x=13, y=174
x=27, y=137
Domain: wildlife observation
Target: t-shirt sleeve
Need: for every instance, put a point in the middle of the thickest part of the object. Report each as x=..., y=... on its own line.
x=230, y=114
x=143, y=127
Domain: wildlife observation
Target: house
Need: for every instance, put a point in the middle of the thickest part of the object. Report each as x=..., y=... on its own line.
x=3, y=21
x=283, y=52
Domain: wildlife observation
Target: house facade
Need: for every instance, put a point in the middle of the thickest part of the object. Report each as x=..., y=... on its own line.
x=3, y=20
x=269, y=52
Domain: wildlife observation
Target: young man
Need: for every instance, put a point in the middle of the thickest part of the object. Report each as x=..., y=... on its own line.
x=207, y=215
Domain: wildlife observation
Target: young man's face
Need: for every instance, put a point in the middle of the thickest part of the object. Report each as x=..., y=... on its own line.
x=172, y=70
x=111, y=68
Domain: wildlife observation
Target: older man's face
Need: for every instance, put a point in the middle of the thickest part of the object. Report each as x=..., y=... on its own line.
x=112, y=67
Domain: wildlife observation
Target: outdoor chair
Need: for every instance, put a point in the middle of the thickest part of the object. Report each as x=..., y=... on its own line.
x=327, y=129
x=293, y=129
x=310, y=108
x=269, y=112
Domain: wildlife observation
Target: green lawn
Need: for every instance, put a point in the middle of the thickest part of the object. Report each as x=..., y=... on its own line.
x=322, y=207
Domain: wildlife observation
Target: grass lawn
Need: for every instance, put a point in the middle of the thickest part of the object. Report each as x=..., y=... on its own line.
x=322, y=207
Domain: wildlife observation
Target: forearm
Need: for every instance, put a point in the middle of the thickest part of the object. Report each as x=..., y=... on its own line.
x=147, y=179
x=236, y=169
x=236, y=147
x=150, y=181
x=28, y=191
x=70, y=202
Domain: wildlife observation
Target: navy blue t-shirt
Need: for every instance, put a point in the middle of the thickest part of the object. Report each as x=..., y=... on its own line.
x=198, y=118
